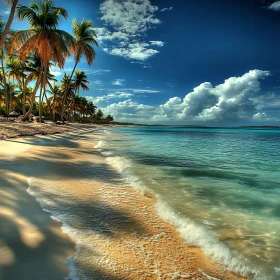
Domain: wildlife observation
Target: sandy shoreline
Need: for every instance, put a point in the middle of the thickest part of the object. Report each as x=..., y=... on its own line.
x=32, y=245
x=14, y=130
x=128, y=240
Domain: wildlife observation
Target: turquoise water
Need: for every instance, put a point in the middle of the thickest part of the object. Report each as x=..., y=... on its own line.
x=219, y=187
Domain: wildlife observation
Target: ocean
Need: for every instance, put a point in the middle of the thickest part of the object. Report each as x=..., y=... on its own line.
x=220, y=187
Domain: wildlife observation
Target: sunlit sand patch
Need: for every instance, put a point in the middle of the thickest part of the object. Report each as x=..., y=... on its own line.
x=153, y=250
x=7, y=256
x=11, y=148
x=8, y=195
x=29, y=234
x=15, y=179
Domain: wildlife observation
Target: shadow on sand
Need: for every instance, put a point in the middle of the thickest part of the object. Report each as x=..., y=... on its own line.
x=43, y=255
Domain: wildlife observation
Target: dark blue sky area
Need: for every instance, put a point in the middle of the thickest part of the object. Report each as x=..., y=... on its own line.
x=151, y=51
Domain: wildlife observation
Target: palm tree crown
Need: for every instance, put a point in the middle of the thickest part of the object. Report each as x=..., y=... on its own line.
x=43, y=37
x=85, y=37
x=80, y=80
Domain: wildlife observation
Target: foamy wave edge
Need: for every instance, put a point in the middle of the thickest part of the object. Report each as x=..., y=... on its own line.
x=75, y=272
x=190, y=231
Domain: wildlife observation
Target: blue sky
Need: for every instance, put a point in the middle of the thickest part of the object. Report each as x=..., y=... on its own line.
x=211, y=62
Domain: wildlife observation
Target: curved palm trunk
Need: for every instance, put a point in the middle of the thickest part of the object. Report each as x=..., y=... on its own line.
x=33, y=96
x=8, y=25
x=62, y=107
x=23, y=97
x=53, y=107
x=76, y=63
x=40, y=103
x=72, y=110
x=41, y=96
x=64, y=97
x=5, y=83
x=11, y=95
x=47, y=100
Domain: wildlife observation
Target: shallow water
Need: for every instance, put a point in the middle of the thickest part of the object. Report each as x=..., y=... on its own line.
x=219, y=187
x=117, y=232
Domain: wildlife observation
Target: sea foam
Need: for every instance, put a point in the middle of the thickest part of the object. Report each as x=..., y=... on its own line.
x=198, y=235
x=190, y=231
x=122, y=165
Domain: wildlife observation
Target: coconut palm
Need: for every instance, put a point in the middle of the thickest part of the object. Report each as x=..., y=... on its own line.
x=67, y=93
x=91, y=108
x=75, y=106
x=99, y=115
x=9, y=22
x=80, y=81
x=4, y=79
x=10, y=90
x=85, y=39
x=54, y=99
x=83, y=106
x=43, y=38
x=17, y=70
x=14, y=69
x=33, y=66
x=109, y=118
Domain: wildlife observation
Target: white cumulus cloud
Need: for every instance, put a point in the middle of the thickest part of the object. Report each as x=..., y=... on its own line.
x=129, y=16
x=106, y=100
x=138, y=51
x=157, y=43
x=229, y=101
x=263, y=117
x=125, y=24
x=237, y=99
x=129, y=110
x=275, y=6
x=54, y=70
x=118, y=82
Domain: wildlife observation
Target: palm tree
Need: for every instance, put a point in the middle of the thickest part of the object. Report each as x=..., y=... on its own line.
x=17, y=71
x=14, y=68
x=11, y=92
x=91, y=108
x=85, y=38
x=67, y=93
x=43, y=38
x=76, y=106
x=109, y=118
x=54, y=100
x=83, y=106
x=99, y=115
x=9, y=22
x=80, y=81
x=4, y=79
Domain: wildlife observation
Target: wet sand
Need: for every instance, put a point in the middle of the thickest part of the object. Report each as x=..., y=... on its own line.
x=121, y=236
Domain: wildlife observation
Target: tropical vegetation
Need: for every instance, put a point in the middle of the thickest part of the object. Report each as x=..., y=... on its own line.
x=27, y=84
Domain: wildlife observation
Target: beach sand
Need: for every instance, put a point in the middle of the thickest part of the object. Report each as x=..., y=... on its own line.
x=32, y=245
x=19, y=129
x=119, y=232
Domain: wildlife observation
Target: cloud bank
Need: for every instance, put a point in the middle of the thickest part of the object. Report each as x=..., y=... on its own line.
x=275, y=6
x=126, y=22
x=237, y=99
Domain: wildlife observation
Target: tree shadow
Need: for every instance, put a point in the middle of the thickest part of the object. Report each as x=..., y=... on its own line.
x=45, y=259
